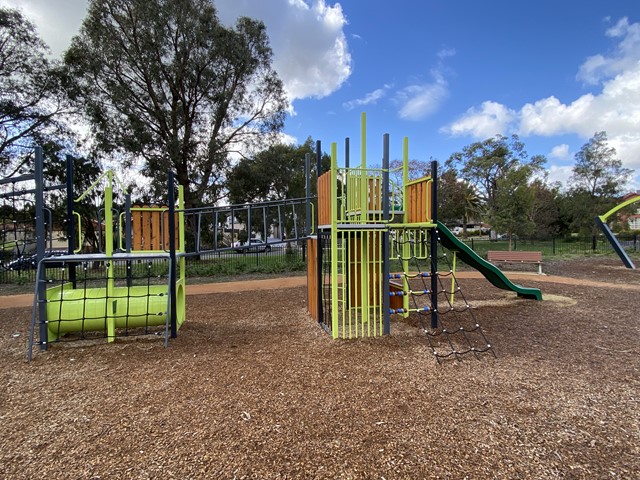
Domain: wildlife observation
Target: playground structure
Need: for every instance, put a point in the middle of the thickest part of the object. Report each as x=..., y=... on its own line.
x=134, y=285
x=378, y=252
x=601, y=221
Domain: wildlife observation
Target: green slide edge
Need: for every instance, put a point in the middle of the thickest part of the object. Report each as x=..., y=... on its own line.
x=489, y=270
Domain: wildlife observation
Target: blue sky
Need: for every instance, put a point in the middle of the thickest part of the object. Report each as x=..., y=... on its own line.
x=445, y=73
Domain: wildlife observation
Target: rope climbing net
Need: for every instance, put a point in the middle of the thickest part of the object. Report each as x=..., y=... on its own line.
x=94, y=296
x=455, y=331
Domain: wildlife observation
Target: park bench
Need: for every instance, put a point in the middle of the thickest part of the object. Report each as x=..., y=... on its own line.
x=495, y=256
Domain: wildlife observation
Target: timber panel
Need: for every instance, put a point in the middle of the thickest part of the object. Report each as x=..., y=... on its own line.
x=419, y=201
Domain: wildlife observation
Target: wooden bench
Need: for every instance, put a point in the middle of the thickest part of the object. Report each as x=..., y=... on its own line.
x=516, y=257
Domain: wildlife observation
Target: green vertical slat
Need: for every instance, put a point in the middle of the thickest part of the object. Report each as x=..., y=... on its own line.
x=334, y=241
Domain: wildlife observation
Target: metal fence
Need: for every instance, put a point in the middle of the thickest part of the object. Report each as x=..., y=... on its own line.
x=282, y=258
x=287, y=257
x=555, y=246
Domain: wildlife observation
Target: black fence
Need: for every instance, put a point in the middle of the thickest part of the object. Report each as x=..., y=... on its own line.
x=555, y=246
x=287, y=257
x=282, y=258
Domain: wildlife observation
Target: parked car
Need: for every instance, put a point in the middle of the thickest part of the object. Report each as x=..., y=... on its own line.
x=254, y=245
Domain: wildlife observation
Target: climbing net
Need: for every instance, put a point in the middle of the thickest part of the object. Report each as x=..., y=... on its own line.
x=443, y=312
x=95, y=296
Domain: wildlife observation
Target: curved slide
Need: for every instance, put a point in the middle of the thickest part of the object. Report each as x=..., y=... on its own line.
x=489, y=270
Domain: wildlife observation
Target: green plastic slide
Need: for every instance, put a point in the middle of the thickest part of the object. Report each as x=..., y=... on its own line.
x=489, y=270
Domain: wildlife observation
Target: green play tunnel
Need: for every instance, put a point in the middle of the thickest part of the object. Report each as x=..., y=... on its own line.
x=81, y=310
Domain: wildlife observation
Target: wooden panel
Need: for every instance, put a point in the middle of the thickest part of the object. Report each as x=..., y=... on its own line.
x=365, y=247
x=419, y=203
x=375, y=194
x=324, y=199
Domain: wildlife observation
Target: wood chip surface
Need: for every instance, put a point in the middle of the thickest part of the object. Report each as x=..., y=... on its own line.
x=252, y=388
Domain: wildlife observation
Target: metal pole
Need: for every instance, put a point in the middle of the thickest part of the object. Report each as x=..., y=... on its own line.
x=128, y=234
x=385, y=237
x=434, y=245
x=71, y=237
x=307, y=189
x=40, y=248
x=172, y=256
x=346, y=152
x=319, y=158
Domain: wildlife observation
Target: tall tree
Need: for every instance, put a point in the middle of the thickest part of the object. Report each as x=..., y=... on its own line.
x=495, y=167
x=597, y=182
x=164, y=81
x=275, y=173
x=31, y=100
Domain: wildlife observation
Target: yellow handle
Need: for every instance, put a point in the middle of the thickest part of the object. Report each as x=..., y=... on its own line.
x=80, y=239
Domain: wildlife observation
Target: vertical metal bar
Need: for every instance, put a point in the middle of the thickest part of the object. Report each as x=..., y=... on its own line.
x=434, y=244
x=71, y=237
x=172, y=256
x=215, y=229
x=128, y=235
x=40, y=247
x=307, y=189
x=319, y=158
x=334, y=239
x=346, y=152
x=320, y=277
x=385, y=236
x=264, y=223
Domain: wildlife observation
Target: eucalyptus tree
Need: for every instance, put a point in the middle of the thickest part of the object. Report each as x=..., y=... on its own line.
x=31, y=100
x=500, y=170
x=165, y=83
x=597, y=183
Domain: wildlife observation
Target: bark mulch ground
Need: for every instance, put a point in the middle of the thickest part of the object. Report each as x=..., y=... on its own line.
x=253, y=388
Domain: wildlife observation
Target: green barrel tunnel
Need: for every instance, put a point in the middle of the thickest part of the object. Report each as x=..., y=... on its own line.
x=90, y=309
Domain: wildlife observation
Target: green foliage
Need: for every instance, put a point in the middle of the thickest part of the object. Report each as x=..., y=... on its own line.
x=499, y=172
x=597, y=182
x=31, y=101
x=276, y=173
x=165, y=81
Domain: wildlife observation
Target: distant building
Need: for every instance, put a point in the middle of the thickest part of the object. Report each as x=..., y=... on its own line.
x=632, y=220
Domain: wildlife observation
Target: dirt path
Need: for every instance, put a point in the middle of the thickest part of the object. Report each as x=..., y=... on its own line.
x=26, y=300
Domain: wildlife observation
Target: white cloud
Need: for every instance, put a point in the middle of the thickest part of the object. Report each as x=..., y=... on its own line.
x=446, y=52
x=56, y=21
x=370, y=98
x=310, y=51
x=626, y=55
x=491, y=119
x=615, y=109
x=560, y=173
x=560, y=152
x=420, y=100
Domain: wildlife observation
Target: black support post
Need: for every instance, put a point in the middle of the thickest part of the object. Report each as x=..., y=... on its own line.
x=40, y=248
x=434, y=244
x=385, y=236
x=172, y=256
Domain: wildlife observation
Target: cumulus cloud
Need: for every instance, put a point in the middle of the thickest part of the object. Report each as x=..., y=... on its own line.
x=490, y=119
x=560, y=152
x=615, y=109
x=420, y=100
x=56, y=22
x=310, y=51
x=626, y=55
x=370, y=98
